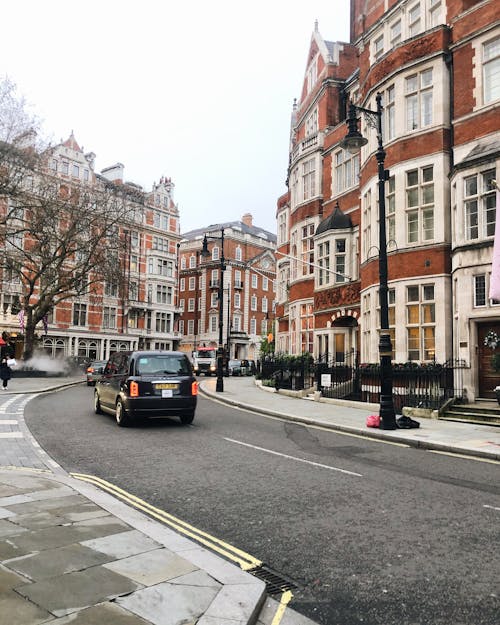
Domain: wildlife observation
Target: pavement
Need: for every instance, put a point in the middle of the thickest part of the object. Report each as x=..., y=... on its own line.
x=72, y=550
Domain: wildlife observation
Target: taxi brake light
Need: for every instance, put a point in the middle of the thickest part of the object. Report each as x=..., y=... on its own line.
x=134, y=389
x=194, y=388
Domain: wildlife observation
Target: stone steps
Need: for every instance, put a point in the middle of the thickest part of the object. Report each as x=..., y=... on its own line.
x=480, y=412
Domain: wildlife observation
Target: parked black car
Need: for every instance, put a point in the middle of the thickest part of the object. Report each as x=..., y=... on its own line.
x=147, y=384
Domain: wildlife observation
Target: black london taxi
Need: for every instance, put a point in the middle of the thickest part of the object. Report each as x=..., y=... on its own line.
x=145, y=384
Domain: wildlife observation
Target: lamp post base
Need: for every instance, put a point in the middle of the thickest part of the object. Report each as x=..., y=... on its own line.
x=219, y=387
x=387, y=414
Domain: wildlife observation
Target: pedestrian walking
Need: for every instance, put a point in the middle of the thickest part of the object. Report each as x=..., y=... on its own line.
x=5, y=373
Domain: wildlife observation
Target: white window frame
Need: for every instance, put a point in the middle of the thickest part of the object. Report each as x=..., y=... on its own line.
x=479, y=205
x=323, y=260
x=491, y=66
x=309, y=179
x=423, y=342
x=420, y=204
x=345, y=171
x=396, y=32
x=213, y=321
x=378, y=47
x=414, y=20
x=419, y=100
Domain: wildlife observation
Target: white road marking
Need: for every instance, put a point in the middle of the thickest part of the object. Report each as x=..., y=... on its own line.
x=11, y=435
x=277, y=453
x=491, y=507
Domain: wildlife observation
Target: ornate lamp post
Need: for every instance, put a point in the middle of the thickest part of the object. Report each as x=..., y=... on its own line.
x=353, y=142
x=220, y=348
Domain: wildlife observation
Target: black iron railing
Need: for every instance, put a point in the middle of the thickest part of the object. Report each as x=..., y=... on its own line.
x=292, y=373
x=426, y=385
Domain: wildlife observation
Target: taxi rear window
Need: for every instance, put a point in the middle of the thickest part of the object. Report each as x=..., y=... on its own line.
x=156, y=365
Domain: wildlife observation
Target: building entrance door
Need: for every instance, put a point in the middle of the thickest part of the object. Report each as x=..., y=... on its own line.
x=487, y=378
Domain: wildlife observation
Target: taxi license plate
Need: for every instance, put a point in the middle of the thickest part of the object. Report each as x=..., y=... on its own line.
x=165, y=385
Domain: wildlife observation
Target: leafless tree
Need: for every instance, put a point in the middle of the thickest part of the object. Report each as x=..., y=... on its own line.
x=20, y=138
x=59, y=240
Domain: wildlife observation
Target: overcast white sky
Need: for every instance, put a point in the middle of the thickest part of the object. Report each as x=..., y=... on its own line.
x=198, y=91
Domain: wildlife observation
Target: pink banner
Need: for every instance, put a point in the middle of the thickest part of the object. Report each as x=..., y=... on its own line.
x=495, y=263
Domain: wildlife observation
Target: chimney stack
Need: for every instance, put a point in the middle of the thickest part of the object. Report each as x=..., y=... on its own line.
x=114, y=173
x=247, y=219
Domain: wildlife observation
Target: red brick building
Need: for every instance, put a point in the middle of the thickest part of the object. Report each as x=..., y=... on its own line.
x=436, y=65
x=248, y=287
x=139, y=312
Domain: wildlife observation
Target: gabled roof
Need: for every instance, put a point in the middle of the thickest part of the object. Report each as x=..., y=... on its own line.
x=336, y=221
x=233, y=225
x=71, y=143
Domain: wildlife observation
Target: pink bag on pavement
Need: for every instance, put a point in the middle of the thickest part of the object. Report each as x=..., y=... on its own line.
x=373, y=421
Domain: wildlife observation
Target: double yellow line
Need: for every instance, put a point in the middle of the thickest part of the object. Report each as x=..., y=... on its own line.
x=243, y=559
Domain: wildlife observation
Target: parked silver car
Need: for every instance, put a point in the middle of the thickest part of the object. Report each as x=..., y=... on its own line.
x=94, y=371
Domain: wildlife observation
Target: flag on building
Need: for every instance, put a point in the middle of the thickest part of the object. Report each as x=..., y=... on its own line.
x=495, y=263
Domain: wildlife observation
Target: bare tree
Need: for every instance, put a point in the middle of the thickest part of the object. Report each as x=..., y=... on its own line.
x=20, y=142
x=58, y=240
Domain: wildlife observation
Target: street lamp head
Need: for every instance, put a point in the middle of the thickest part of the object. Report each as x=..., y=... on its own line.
x=204, y=250
x=354, y=140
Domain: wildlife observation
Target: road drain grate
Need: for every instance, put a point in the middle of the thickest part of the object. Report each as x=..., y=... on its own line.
x=275, y=582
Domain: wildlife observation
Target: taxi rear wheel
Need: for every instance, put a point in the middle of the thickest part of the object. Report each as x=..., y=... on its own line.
x=97, y=403
x=121, y=415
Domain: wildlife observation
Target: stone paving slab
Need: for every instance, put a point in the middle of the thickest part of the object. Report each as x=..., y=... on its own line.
x=55, y=562
x=152, y=567
x=170, y=604
x=17, y=611
x=122, y=545
x=74, y=591
x=102, y=614
x=53, y=537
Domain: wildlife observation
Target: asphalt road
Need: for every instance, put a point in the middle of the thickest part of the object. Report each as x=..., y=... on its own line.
x=371, y=533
